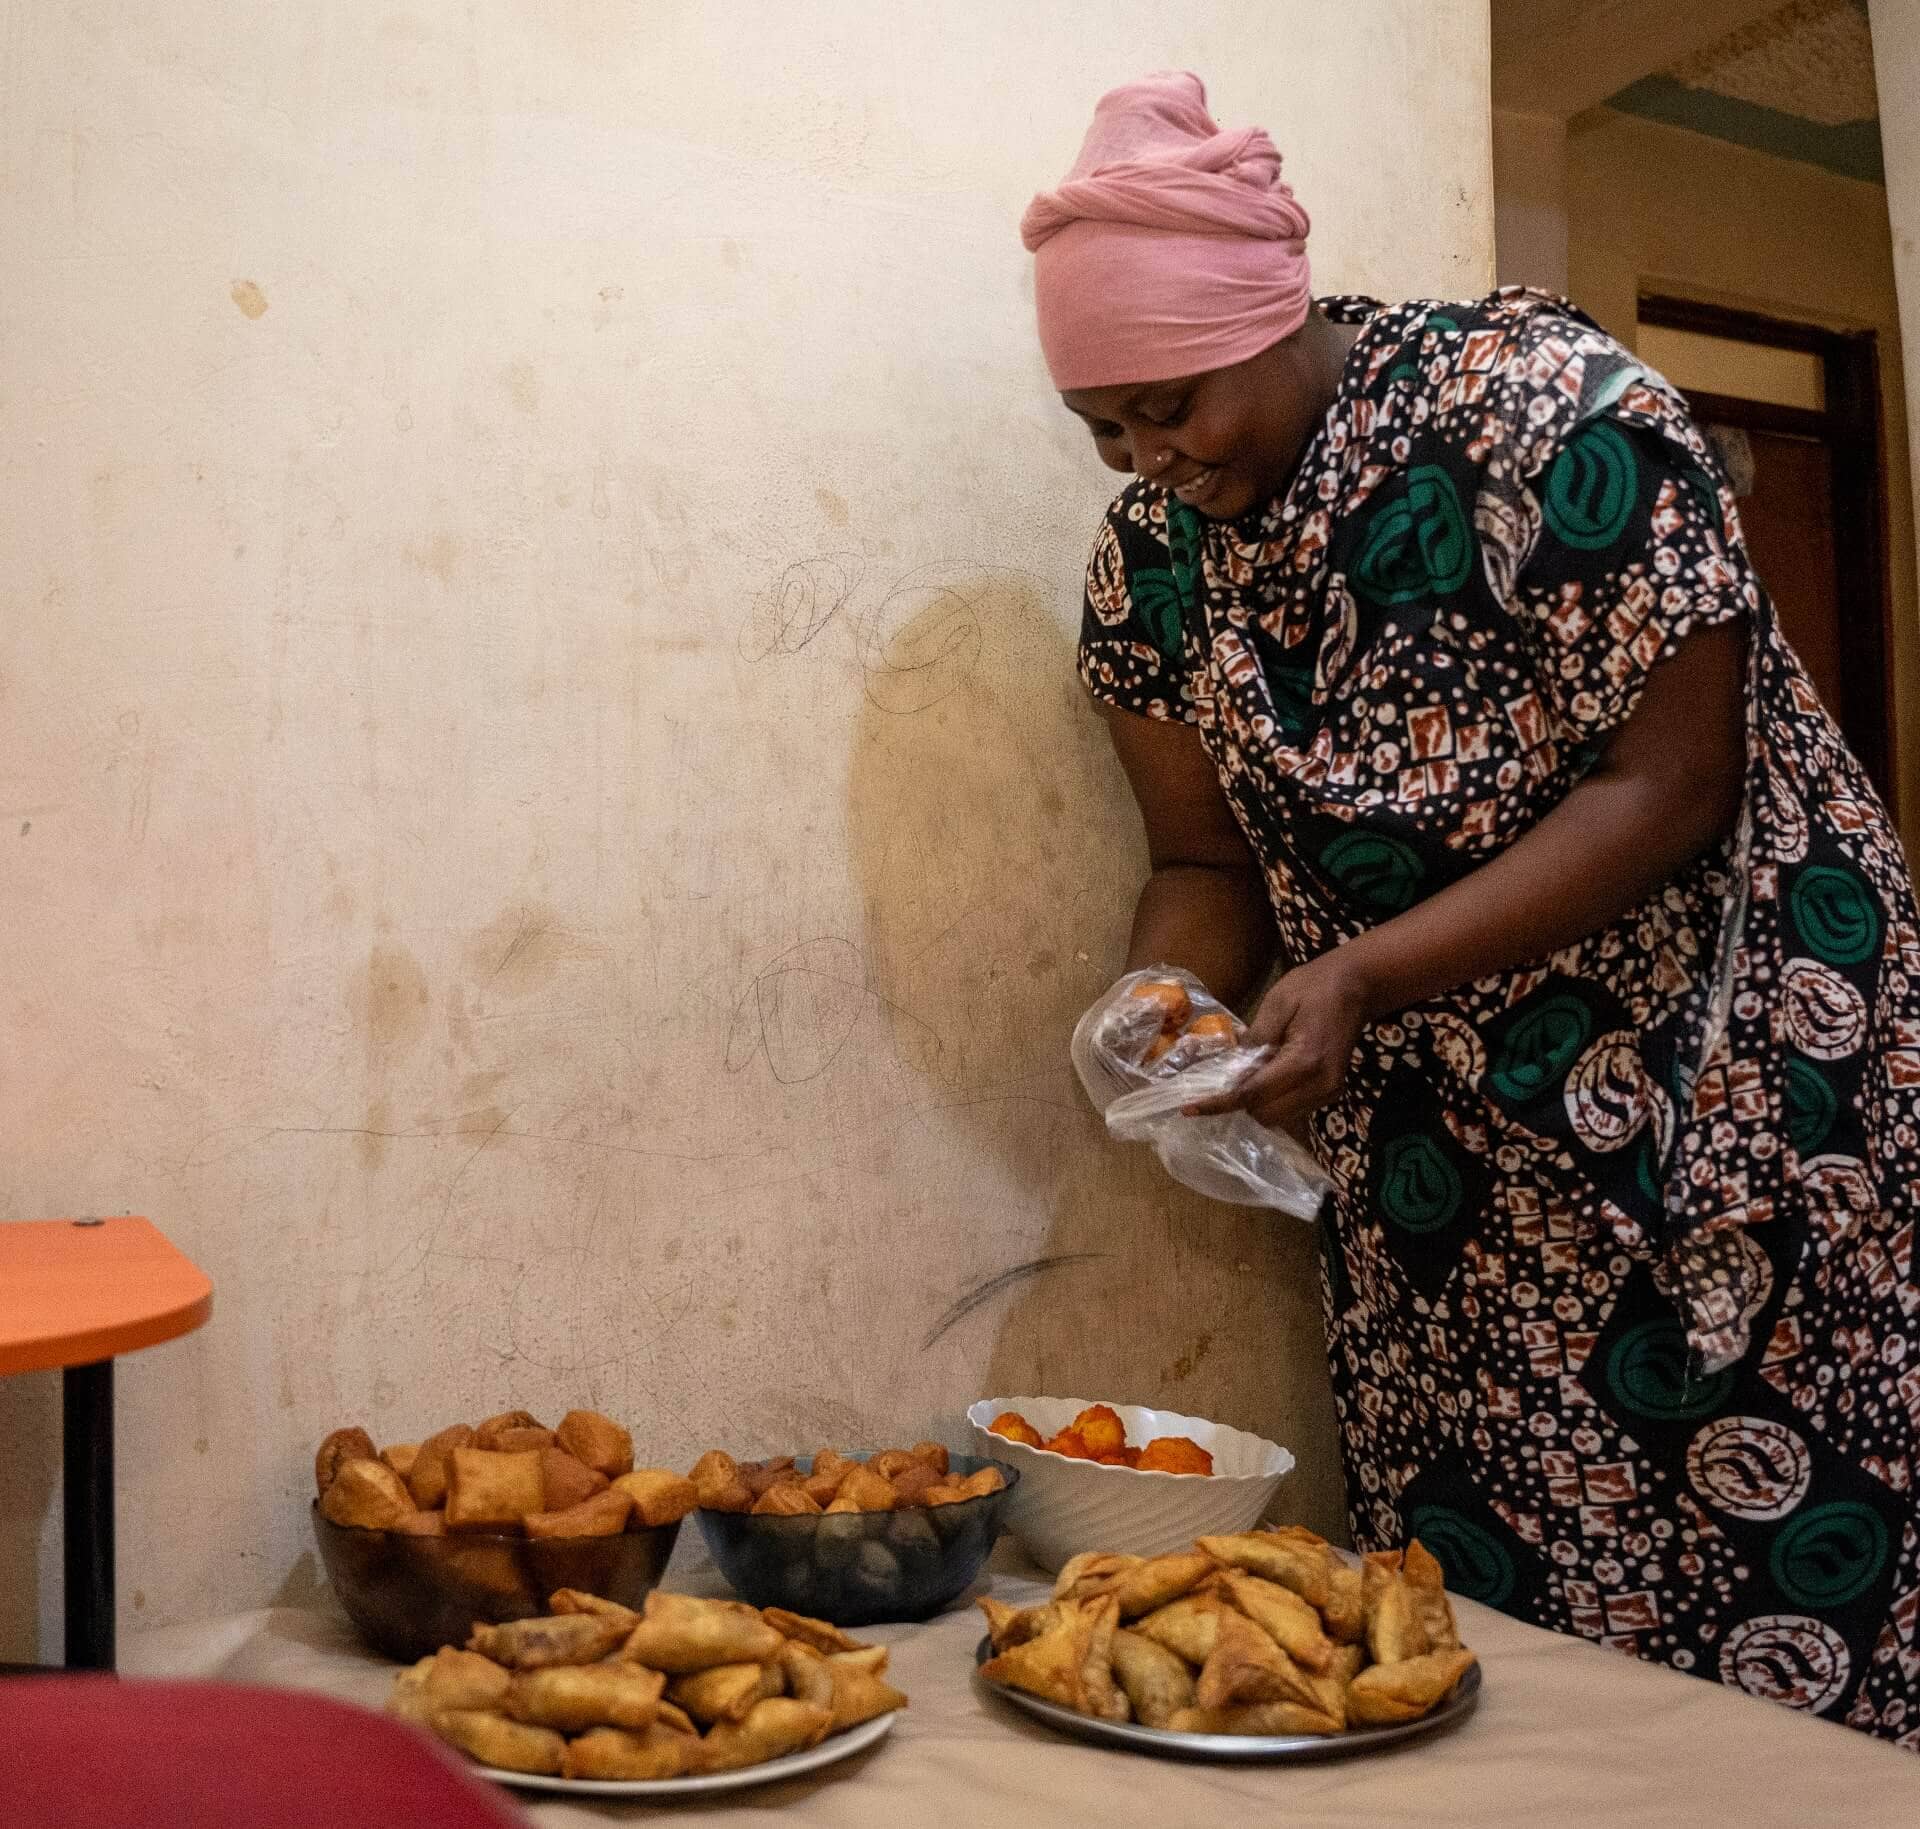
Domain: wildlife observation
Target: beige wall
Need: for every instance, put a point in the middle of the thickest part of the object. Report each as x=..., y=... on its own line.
x=551, y=841
x=1657, y=209
x=1896, y=68
x=1530, y=200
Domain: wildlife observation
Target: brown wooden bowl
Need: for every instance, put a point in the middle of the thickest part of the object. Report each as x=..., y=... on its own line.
x=408, y=1596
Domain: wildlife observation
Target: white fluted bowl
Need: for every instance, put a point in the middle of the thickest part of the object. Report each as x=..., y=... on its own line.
x=1061, y=1507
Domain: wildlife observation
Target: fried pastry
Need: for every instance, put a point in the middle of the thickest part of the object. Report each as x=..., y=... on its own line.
x=1157, y=1684
x=772, y=1729
x=1285, y=1618
x=659, y=1496
x=366, y=1495
x=1406, y=1690
x=1051, y=1665
x=494, y=1740
x=726, y=1692
x=427, y=1477
x=596, y=1441
x=821, y=1634
x=574, y=1697
x=1247, y=1666
x=564, y=1638
x=613, y=1753
x=1189, y=1627
x=492, y=1491
x=679, y=1633
x=1295, y=1565
x=577, y=1600
x=342, y=1446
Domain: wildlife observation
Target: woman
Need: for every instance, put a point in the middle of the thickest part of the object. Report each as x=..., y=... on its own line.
x=1429, y=644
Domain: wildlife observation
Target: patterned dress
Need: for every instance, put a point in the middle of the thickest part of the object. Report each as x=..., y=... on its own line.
x=1619, y=1270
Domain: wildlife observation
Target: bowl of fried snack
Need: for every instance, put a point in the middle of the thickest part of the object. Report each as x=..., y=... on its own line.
x=1250, y=1644
x=678, y=1690
x=479, y=1523
x=1143, y=1480
x=855, y=1538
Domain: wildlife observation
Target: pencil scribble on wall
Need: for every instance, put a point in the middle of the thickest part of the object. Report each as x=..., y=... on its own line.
x=804, y=1005
x=799, y=604
x=917, y=644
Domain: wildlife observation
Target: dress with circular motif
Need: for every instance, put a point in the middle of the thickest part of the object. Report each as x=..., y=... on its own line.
x=1787, y=1657
x=1750, y=1467
x=1619, y=1274
x=1825, y=1014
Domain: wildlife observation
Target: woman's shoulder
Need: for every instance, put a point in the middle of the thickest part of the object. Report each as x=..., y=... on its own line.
x=1521, y=358
x=1514, y=333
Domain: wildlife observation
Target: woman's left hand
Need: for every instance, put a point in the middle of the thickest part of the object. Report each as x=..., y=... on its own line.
x=1311, y=1018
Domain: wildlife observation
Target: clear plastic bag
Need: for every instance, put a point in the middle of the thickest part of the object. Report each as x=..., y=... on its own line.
x=1156, y=1043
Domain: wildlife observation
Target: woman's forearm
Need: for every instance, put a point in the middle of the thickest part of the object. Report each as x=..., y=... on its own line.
x=1667, y=788
x=1601, y=852
x=1214, y=922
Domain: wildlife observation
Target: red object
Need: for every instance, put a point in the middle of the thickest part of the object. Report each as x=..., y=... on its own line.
x=99, y=1752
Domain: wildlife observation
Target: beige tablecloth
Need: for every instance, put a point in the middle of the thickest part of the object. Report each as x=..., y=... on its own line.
x=1564, y=1733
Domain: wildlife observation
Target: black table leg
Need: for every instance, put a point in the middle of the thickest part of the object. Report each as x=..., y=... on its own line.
x=87, y=1415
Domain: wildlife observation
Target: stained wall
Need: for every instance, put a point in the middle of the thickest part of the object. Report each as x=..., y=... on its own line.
x=547, y=832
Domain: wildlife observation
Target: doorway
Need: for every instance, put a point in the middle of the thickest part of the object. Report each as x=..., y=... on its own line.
x=1794, y=410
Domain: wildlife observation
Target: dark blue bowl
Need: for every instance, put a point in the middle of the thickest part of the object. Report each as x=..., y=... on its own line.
x=861, y=1568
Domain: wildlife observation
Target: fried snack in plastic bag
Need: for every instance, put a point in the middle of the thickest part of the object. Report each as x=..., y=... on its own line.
x=1155, y=1043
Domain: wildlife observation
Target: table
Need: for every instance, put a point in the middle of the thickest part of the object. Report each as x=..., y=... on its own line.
x=1565, y=1733
x=78, y=1293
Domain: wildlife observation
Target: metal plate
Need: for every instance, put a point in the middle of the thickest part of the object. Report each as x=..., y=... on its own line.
x=1249, y=1748
x=661, y=1790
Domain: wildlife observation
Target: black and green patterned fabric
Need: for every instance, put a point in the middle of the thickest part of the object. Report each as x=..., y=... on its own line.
x=1619, y=1269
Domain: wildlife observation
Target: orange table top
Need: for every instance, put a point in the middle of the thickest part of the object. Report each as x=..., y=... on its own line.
x=72, y=1292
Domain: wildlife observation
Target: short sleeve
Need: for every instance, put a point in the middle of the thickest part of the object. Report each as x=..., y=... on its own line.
x=1134, y=651
x=1629, y=543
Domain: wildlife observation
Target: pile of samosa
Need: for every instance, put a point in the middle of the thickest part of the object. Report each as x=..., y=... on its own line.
x=1264, y=1632
x=688, y=1686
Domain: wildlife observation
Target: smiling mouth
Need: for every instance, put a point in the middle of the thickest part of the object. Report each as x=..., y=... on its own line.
x=1199, y=487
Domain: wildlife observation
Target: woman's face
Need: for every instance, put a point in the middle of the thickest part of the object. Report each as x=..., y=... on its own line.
x=1224, y=441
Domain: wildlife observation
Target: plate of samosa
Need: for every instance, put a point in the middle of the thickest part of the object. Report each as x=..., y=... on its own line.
x=685, y=1696
x=1260, y=1645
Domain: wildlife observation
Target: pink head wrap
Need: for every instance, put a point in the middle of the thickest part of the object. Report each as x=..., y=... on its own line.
x=1170, y=248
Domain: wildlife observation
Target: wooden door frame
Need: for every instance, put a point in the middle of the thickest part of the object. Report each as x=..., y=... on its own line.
x=1850, y=428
